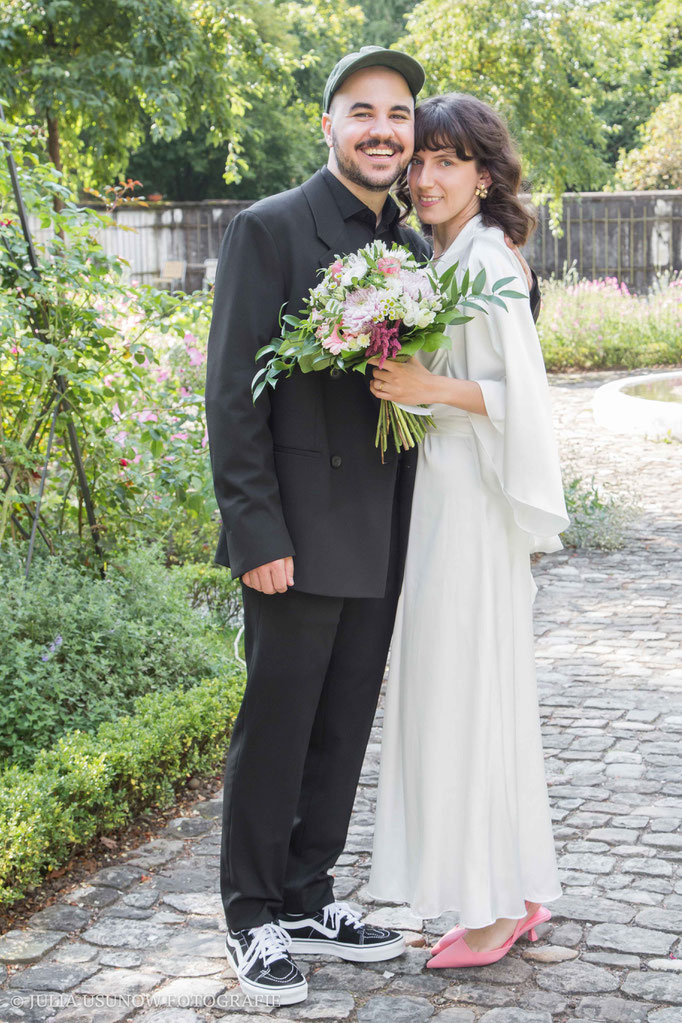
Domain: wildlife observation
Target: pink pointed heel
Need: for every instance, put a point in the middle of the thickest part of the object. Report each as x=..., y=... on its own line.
x=454, y=952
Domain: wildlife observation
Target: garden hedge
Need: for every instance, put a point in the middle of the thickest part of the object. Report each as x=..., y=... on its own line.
x=86, y=785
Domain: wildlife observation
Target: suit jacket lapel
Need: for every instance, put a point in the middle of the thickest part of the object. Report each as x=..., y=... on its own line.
x=329, y=223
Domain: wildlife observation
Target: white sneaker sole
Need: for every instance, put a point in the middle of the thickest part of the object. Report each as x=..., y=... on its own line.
x=352, y=953
x=277, y=996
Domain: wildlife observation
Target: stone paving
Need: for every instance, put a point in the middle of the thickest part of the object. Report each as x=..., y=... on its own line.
x=143, y=940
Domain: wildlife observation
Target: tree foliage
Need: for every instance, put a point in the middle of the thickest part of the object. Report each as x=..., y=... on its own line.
x=536, y=63
x=657, y=161
x=100, y=76
x=280, y=141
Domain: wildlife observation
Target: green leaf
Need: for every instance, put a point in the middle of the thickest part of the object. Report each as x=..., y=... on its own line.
x=479, y=283
x=501, y=283
x=265, y=350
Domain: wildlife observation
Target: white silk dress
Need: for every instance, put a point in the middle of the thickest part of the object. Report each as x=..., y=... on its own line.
x=463, y=821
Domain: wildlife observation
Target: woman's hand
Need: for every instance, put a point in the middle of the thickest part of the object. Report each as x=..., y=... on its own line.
x=407, y=382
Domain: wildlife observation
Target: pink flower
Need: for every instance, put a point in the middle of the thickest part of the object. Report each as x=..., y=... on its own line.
x=388, y=265
x=162, y=375
x=195, y=356
x=179, y=436
x=204, y=440
x=384, y=342
x=147, y=417
x=123, y=462
x=334, y=343
x=189, y=338
x=14, y=350
x=336, y=268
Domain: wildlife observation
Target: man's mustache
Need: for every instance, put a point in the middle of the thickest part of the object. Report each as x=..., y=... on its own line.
x=378, y=144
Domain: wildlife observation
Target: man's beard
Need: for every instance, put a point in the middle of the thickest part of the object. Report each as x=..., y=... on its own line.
x=353, y=173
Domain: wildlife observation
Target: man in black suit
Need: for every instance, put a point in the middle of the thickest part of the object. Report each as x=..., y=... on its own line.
x=316, y=526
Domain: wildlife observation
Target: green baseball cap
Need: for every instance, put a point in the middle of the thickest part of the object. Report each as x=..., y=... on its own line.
x=373, y=56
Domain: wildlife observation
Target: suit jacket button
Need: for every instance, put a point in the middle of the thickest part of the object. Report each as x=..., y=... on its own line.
x=336, y=461
x=335, y=373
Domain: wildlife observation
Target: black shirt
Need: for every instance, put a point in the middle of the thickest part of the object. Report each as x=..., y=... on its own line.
x=361, y=221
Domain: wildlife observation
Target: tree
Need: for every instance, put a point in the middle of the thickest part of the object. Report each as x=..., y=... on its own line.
x=537, y=64
x=384, y=21
x=99, y=75
x=280, y=141
x=657, y=161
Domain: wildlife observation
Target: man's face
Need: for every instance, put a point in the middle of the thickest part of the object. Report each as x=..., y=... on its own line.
x=370, y=128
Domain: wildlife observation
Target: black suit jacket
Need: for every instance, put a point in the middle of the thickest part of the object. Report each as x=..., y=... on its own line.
x=298, y=473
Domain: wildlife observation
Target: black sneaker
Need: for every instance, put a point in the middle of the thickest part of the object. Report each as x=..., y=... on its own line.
x=337, y=930
x=260, y=958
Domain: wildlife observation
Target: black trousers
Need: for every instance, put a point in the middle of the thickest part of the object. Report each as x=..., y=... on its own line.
x=314, y=666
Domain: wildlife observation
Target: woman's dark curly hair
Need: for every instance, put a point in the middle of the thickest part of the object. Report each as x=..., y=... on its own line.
x=475, y=132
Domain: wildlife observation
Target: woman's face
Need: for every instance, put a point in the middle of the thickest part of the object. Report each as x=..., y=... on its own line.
x=443, y=187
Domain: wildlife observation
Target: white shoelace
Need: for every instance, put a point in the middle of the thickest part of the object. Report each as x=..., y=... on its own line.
x=337, y=913
x=270, y=942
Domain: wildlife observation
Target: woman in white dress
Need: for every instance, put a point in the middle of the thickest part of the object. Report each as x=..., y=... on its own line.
x=463, y=821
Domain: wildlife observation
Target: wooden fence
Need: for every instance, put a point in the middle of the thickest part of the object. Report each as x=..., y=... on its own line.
x=632, y=236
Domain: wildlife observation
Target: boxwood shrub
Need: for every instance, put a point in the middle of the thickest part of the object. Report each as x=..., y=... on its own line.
x=88, y=784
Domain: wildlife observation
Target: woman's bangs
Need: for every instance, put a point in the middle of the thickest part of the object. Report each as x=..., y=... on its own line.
x=435, y=128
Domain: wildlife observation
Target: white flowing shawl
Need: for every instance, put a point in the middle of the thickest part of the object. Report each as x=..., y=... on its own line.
x=501, y=351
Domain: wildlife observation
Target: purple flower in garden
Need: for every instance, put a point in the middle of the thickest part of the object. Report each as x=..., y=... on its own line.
x=383, y=342
x=54, y=645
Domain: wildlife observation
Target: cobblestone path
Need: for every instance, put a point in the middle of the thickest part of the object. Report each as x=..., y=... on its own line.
x=144, y=938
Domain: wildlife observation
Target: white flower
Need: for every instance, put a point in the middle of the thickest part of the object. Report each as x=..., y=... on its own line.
x=354, y=269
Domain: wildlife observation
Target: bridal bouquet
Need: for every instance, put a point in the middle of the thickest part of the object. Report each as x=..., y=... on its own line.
x=377, y=302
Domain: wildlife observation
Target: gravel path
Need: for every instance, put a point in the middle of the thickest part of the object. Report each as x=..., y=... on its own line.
x=143, y=940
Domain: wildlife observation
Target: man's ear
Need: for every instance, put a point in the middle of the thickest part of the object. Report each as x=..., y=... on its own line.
x=327, y=129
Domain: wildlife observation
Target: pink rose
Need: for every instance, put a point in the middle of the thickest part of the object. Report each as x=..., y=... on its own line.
x=336, y=268
x=388, y=265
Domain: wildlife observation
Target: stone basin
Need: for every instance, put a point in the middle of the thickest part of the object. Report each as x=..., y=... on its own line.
x=648, y=405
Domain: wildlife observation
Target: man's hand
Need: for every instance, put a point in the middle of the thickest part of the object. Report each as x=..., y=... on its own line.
x=275, y=577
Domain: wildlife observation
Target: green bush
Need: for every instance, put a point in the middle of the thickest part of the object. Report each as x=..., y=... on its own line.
x=77, y=650
x=211, y=588
x=598, y=519
x=87, y=785
x=601, y=325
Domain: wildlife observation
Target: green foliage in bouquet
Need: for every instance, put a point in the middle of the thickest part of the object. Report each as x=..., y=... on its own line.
x=377, y=303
